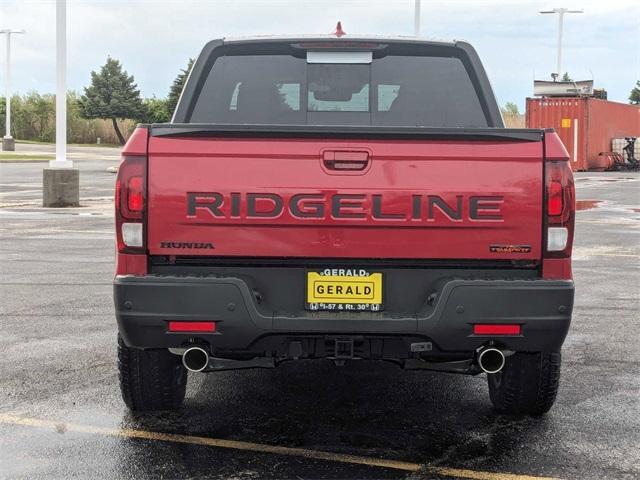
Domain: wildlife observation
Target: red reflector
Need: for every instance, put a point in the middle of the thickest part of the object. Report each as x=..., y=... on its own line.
x=135, y=197
x=496, y=329
x=207, y=327
x=554, y=205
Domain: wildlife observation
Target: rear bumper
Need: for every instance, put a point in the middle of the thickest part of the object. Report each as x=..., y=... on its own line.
x=144, y=305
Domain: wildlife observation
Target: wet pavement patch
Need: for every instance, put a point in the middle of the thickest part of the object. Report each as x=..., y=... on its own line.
x=63, y=428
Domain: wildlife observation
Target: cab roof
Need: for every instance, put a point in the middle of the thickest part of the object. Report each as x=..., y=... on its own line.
x=346, y=38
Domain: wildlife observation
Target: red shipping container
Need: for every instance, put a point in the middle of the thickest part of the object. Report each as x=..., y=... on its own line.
x=586, y=125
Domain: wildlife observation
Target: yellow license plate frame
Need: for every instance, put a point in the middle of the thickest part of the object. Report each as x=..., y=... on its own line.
x=327, y=290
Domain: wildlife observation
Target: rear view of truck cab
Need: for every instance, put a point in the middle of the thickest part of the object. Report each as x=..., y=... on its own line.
x=337, y=199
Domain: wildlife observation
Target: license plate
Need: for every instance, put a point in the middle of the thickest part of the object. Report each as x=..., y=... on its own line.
x=344, y=292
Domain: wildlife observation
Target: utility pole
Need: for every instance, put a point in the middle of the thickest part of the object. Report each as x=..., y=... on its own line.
x=61, y=182
x=561, y=13
x=8, y=143
x=416, y=19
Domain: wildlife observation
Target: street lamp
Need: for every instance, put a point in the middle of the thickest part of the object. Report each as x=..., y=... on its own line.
x=8, y=144
x=561, y=12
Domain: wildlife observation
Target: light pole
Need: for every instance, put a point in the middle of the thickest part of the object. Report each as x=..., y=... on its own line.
x=8, y=143
x=561, y=12
x=61, y=182
x=61, y=88
x=416, y=19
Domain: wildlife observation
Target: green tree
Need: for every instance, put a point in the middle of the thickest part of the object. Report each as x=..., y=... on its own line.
x=510, y=109
x=3, y=112
x=156, y=111
x=43, y=114
x=33, y=116
x=113, y=94
x=566, y=77
x=177, y=86
x=634, y=97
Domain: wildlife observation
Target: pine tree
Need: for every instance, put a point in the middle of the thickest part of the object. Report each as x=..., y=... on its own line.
x=177, y=86
x=113, y=94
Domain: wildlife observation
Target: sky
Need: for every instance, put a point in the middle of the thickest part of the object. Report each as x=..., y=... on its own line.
x=154, y=38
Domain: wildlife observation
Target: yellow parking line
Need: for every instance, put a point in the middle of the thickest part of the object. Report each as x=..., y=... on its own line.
x=62, y=427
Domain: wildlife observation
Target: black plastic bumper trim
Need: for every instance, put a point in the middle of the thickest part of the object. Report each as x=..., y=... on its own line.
x=145, y=304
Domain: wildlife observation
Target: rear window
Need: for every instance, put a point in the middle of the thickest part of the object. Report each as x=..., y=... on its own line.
x=392, y=90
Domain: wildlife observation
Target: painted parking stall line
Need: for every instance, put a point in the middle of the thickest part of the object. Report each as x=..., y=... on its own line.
x=63, y=427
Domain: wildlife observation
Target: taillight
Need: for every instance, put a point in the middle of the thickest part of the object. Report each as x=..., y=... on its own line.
x=135, y=195
x=559, y=198
x=555, y=201
x=130, y=203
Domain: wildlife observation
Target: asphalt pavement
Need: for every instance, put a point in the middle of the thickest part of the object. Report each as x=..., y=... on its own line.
x=21, y=182
x=61, y=415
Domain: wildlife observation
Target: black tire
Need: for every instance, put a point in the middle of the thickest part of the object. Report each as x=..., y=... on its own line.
x=527, y=384
x=150, y=379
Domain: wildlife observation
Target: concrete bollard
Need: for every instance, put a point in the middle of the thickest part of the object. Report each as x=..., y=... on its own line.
x=60, y=187
x=8, y=144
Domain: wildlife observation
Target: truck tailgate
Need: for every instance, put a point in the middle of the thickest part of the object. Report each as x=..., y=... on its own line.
x=337, y=198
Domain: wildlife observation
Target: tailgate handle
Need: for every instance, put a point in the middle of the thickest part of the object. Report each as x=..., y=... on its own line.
x=345, y=160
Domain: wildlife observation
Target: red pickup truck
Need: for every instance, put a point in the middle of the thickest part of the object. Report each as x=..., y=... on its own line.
x=342, y=198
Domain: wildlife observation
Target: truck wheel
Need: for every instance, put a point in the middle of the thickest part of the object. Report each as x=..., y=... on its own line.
x=150, y=379
x=527, y=384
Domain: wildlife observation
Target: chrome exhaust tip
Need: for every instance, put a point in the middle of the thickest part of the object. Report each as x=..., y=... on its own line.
x=195, y=359
x=491, y=360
